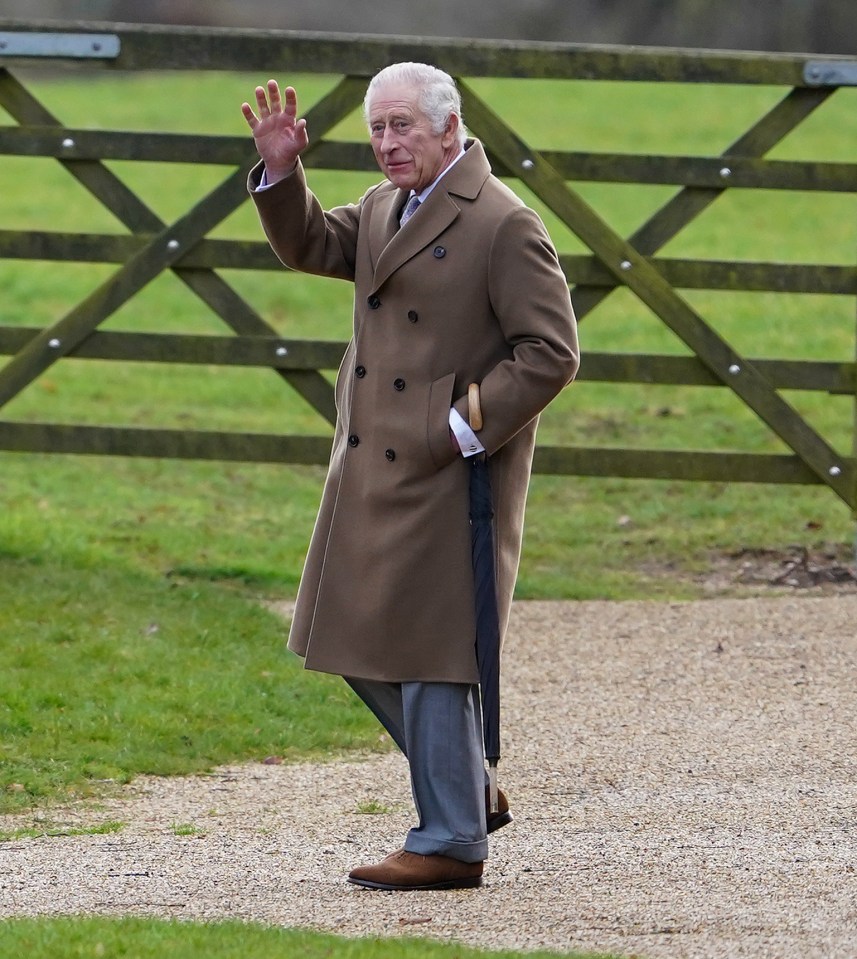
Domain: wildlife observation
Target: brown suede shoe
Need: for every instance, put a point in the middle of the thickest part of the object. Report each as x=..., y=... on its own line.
x=496, y=820
x=406, y=870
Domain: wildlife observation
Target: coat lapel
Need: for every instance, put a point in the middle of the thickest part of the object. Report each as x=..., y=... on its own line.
x=390, y=248
x=428, y=223
x=384, y=220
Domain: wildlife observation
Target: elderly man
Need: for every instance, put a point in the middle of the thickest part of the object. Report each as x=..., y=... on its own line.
x=456, y=283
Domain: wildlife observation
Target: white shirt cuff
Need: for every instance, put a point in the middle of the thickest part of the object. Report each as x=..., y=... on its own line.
x=264, y=184
x=470, y=446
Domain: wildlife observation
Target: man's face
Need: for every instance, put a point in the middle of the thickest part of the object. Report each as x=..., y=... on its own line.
x=408, y=151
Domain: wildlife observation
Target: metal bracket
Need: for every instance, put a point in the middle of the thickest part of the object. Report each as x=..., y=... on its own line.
x=829, y=73
x=77, y=46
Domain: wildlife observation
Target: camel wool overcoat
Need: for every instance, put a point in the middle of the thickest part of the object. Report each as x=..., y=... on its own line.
x=469, y=291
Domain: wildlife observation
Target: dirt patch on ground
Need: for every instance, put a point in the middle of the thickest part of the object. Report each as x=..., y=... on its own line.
x=822, y=570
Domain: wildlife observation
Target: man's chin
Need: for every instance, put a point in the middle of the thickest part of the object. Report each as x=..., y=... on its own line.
x=403, y=179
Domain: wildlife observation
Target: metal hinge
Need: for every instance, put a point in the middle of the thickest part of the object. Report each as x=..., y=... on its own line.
x=77, y=46
x=828, y=73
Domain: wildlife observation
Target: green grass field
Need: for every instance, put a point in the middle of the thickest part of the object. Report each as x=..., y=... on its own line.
x=135, y=636
x=153, y=939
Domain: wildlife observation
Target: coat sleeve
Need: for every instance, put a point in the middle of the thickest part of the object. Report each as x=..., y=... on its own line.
x=530, y=298
x=303, y=235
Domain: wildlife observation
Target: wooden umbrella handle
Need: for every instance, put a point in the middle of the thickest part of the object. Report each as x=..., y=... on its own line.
x=474, y=407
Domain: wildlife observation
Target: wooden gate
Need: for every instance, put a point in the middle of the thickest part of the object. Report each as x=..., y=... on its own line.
x=153, y=246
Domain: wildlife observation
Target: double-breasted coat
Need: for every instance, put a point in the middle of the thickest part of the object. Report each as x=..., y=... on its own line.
x=469, y=291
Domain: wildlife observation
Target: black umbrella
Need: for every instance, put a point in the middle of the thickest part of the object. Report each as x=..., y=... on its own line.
x=487, y=618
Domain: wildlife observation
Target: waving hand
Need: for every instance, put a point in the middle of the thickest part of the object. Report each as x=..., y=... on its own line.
x=280, y=137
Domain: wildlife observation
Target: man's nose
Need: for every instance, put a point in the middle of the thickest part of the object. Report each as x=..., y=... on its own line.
x=389, y=141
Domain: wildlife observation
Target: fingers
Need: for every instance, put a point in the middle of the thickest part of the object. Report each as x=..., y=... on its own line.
x=265, y=110
x=291, y=106
x=262, y=106
x=273, y=96
x=269, y=103
x=249, y=115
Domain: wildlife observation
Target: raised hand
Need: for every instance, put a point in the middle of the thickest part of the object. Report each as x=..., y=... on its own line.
x=280, y=137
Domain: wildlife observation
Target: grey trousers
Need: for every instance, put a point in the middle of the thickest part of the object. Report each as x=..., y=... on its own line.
x=438, y=727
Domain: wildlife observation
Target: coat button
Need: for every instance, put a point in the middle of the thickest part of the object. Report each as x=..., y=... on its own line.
x=360, y=372
x=439, y=252
x=413, y=316
x=374, y=301
x=390, y=454
x=398, y=384
x=353, y=440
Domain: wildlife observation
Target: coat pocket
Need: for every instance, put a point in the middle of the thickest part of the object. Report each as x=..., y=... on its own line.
x=437, y=427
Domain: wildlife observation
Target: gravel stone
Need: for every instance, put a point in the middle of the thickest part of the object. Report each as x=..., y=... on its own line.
x=683, y=779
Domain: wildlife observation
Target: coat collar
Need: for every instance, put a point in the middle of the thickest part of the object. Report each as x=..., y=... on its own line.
x=390, y=248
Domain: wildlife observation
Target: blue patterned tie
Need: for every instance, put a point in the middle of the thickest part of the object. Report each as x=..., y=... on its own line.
x=410, y=209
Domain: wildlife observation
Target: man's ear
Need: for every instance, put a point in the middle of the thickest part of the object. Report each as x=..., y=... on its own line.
x=451, y=131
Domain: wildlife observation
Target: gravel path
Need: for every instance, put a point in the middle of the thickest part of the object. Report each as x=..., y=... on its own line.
x=684, y=784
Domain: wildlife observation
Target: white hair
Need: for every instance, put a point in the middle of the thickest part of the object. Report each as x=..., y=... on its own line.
x=437, y=94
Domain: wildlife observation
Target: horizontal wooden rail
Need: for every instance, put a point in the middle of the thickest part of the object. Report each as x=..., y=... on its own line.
x=157, y=47
x=207, y=350
x=315, y=450
x=665, y=370
x=691, y=465
x=163, y=443
x=118, y=247
x=722, y=275
x=287, y=354
x=737, y=172
x=694, y=274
